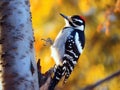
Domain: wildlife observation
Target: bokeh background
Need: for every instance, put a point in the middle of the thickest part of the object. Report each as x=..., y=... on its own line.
x=101, y=56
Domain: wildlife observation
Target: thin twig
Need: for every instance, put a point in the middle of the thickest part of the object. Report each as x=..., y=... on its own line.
x=91, y=87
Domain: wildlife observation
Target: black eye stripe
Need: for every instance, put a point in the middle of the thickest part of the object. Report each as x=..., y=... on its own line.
x=77, y=22
x=71, y=24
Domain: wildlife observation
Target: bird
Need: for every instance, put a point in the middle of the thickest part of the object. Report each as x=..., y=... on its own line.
x=67, y=48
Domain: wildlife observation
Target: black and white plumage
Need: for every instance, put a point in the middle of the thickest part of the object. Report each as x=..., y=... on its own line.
x=67, y=48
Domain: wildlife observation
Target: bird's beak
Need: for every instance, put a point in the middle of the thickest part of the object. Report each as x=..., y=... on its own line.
x=64, y=16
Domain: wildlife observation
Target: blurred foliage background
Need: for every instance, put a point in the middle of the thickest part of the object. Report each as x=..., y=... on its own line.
x=101, y=56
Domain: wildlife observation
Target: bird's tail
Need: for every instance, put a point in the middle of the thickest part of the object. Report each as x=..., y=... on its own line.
x=58, y=73
x=69, y=61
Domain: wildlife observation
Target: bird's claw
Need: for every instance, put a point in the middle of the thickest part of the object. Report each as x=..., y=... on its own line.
x=48, y=41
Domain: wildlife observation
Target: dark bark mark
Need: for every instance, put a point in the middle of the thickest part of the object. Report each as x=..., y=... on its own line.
x=32, y=68
x=4, y=55
x=7, y=54
x=1, y=9
x=18, y=37
x=27, y=75
x=14, y=8
x=18, y=3
x=7, y=26
x=22, y=57
x=0, y=71
x=31, y=44
x=30, y=17
x=33, y=37
x=14, y=74
x=1, y=41
x=19, y=12
x=21, y=25
x=6, y=65
x=9, y=9
x=14, y=48
x=16, y=53
x=27, y=2
x=3, y=81
x=2, y=23
x=1, y=63
x=27, y=52
x=5, y=4
x=4, y=17
x=26, y=31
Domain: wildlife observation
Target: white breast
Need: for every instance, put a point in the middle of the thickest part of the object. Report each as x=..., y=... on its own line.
x=58, y=47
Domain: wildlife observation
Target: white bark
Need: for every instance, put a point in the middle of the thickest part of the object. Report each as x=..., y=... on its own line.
x=17, y=65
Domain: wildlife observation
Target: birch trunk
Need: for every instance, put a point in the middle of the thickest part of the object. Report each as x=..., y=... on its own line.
x=17, y=64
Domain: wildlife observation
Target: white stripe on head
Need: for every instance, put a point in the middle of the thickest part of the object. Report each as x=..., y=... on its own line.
x=78, y=43
x=79, y=20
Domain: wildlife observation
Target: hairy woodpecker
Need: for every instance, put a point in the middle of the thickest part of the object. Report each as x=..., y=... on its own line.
x=67, y=48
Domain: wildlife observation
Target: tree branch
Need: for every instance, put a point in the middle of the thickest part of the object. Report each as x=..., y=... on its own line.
x=44, y=79
x=91, y=87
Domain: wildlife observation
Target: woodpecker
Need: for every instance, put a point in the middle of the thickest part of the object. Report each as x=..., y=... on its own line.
x=67, y=48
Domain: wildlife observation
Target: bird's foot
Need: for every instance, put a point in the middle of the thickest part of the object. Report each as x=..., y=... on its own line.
x=48, y=41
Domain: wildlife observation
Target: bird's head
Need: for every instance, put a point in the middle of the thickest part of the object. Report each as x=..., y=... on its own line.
x=75, y=21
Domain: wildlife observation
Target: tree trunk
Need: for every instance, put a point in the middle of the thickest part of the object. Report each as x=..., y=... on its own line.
x=18, y=69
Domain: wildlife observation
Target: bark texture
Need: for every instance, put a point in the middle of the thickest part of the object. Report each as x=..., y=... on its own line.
x=18, y=69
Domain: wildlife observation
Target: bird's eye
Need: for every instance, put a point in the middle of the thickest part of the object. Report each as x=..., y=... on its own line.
x=77, y=22
x=74, y=20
